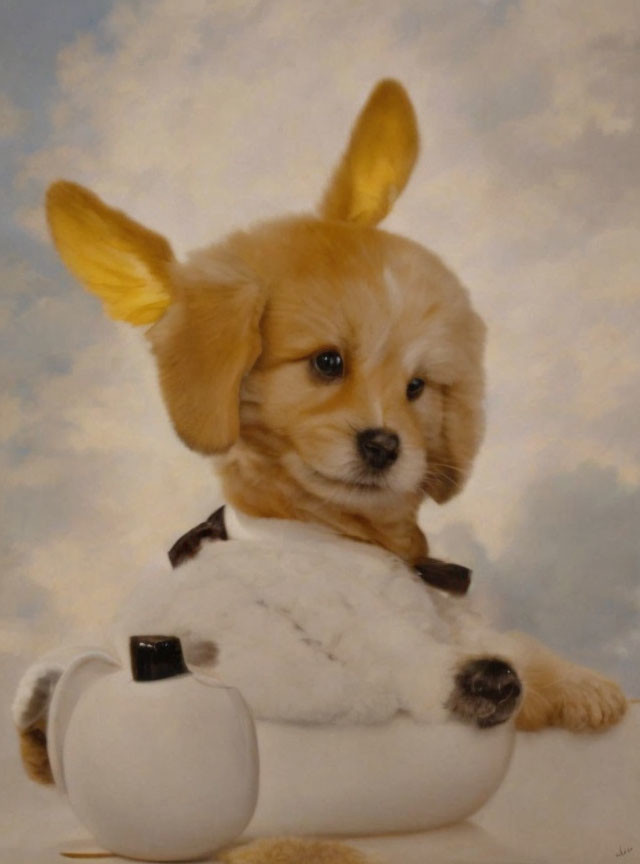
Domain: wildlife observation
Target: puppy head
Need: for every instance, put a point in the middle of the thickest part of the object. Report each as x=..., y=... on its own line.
x=348, y=355
x=369, y=381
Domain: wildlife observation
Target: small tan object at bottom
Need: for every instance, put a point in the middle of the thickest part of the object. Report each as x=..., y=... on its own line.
x=294, y=850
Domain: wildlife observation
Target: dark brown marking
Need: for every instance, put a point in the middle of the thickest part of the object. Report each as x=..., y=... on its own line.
x=189, y=544
x=452, y=578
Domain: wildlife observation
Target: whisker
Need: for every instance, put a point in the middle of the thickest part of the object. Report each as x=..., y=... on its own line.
x=437, y=465
x=554, y=682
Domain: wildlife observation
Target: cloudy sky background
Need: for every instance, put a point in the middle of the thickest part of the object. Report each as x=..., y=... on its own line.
x=197, y=117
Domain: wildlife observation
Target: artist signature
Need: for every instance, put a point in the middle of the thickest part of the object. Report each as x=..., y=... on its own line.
x=623, y=850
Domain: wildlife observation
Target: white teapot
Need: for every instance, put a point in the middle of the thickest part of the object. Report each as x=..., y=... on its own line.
x=158, y=763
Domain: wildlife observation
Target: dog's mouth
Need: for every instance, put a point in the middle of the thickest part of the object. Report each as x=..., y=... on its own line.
x=354, y=483
x=362, y=483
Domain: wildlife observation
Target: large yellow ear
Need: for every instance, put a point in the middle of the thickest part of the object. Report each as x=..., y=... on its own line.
x=378, y=161
x=120, y=261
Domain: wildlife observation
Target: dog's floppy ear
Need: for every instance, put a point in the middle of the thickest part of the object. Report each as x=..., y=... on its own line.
x=120, y=261
x=378, y=161
x=206, y=343
x=450, y=458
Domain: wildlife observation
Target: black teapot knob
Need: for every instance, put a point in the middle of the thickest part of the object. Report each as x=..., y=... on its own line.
x=156, y=657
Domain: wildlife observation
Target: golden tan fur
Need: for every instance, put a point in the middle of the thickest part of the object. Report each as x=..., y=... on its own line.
x=33, y=751
x=559, y=693
x=293, y=850
x=234, y=332
x=300, y=286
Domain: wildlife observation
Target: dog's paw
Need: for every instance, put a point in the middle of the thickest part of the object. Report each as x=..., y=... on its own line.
x=487, y=692
x=591, y=702
x=580, y=701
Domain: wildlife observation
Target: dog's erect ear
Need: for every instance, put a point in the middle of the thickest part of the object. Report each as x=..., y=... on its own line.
x=378, y=161
x=206, y=343
x=120, y=261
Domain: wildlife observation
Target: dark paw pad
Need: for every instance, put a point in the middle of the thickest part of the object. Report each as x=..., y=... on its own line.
x=487, y=691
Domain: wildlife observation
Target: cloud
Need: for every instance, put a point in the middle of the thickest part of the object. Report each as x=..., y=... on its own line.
x=89, y=463
x=571, y=573
x=13, y=120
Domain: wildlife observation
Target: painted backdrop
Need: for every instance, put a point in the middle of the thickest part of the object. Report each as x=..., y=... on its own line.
x=197, y=117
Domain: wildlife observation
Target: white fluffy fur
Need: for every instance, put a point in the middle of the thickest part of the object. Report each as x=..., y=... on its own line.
x=31, y=701
x=312, y=627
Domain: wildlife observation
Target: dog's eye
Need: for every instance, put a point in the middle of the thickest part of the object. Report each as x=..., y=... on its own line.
x=329, y=364
x=415, y=388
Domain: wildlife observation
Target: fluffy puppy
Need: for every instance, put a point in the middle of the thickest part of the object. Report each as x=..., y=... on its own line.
x=333, y=370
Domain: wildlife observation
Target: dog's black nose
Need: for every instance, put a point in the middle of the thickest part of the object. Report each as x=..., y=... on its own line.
x=487, y=691
x=378, y=447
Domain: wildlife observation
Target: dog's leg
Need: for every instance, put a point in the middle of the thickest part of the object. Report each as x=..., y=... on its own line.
x=293, y=850
x=33, y=749
x=560, y=693
x=31, y=706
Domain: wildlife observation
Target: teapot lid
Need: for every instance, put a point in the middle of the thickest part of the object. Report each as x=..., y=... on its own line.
x=156, y=657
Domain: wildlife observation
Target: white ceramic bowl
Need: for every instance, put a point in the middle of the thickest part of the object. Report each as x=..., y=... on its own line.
x=399, y=776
